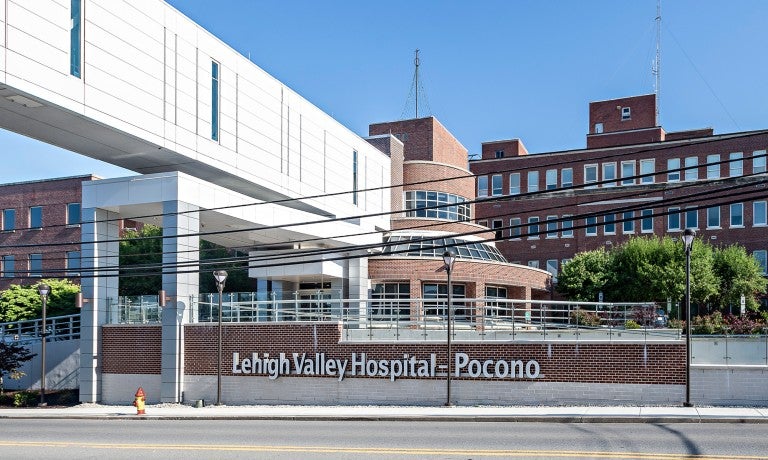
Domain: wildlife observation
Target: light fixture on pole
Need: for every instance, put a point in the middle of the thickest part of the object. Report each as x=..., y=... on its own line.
x=688, y=236
x=449, y=257
x=221, y=278
x=43, y=289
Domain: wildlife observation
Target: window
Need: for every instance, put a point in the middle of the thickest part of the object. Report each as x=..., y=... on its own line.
x=533, y=181
x=692, y=218
x=482, y=186
x=551, y=226
x=567, y=226
x=713, y=217
x=215, y=100
x=626, y=114
x=610, y=224
x=713, y=166
x=551, y=178
x=514, y=184
x=354, y=177
x=590, y=175
x=609, y=173
x=598, y=128
x=74, y=38
x=692, y=168
x=758, y=161
x=628, y=172
x=73, y=263
x=9, y=220
x=36, y=217
x=533, y=263
x=737, y=215
x=499, y=154
x=646, y=223
x=35, y=265
x=514, y=227
x=673, y=219
x=552, y=268
x=673, y=170
x=591, y=229
x=759, y=213
x=496, y=308
x=566, y=177
x=496, y=187
x=496, y=224
x=533, y=228
x=647, y=167
x=440, y=291
x=416, y=202
x=735, y=164
x=628, y=224
x=9, y=266
x=73, y=214
x=390, y=301
x=761, y=256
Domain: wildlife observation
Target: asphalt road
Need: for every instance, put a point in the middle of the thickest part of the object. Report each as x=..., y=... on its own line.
x=176, y=439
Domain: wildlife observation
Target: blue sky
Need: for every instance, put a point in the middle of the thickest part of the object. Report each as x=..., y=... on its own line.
x=490, y=69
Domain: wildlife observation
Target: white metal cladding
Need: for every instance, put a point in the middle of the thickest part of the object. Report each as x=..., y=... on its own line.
x=143, y=102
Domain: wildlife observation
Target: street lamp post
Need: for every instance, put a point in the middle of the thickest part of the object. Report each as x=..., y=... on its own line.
x=688, y=236
x=221, y=278
x=43, y=289
x=449, y=257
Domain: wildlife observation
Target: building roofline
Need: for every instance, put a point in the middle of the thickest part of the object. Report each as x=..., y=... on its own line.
x=619, y=98
x=53, y=179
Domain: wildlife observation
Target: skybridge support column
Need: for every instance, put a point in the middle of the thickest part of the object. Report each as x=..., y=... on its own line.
x=357, y=276
x=99, y=283
x=181, y=280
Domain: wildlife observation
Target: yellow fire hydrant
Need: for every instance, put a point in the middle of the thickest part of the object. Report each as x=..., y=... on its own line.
x=139, y=401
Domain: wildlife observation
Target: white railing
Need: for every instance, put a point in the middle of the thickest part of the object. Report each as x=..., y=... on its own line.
x=29, y=331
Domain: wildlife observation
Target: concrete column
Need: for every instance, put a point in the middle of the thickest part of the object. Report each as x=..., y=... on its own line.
x=100, y=249
x=181, y=246
x=358, y=286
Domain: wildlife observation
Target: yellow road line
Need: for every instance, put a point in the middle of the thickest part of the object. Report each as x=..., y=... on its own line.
x=376, y=450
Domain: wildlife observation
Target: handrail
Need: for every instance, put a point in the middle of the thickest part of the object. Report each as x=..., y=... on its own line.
x=57, y=328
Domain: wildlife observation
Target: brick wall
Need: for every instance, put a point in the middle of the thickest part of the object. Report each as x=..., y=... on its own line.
x=129, y=349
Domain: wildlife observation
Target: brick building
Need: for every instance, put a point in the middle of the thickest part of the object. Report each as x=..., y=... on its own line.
x=633, y=179
x=40, y=230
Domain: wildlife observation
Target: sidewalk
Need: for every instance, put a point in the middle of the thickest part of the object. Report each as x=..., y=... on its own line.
x=562, y=414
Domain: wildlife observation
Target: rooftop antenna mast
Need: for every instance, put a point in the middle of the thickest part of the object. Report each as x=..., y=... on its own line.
x=657, y=62
x=416, y=80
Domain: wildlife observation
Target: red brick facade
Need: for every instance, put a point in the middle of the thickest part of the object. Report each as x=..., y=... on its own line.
x=616, y=363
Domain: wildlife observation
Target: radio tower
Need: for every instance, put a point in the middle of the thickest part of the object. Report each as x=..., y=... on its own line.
x=413, y=94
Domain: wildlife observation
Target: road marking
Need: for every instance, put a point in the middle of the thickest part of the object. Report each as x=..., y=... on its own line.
x=379, y=450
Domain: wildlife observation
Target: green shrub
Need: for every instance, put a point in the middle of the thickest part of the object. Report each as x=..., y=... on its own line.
x=585, y=318
x=23, y=399
x=631, y=324
x=675, y=323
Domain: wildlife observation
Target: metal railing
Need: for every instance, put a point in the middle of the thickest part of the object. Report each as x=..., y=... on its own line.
x=56, y=328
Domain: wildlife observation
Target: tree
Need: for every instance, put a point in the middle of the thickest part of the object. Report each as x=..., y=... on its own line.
x=20, y=303
x=11, y=358
x=738, y=274
x=584, y=276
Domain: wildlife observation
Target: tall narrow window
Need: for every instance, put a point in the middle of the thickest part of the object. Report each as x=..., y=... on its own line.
x=215, y=99
x=36, y=217
x=737, y=215
x=73, y=214
x=628, y=226
x=609, y=173
x=692, y=218
x=713, y=166
x=496, y=188
x=514, y=184
x=9, y=266
x=736, y=164
x=514, y=227
x=610, y=224
x=73, y=263
x=551, y=178
x=35, y=265
x=673, y=170
x=590, y=175
x=647, y=168
x=482, y=186
x=74, y=38
x=713, y=217
x=691, y=168
x=354, y=177
x=551, y=226
x=673, y=219
x=567, y=227
x=533, y=181
x=759, y=214
x=761, y=256
x=566, y=177
x=646, y=223
x=533, y=228
x=9, y=220
x=628, y=172
x=591, y=229
x=758, y=161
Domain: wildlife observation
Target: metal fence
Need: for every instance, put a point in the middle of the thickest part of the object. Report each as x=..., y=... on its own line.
x=56, y=328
